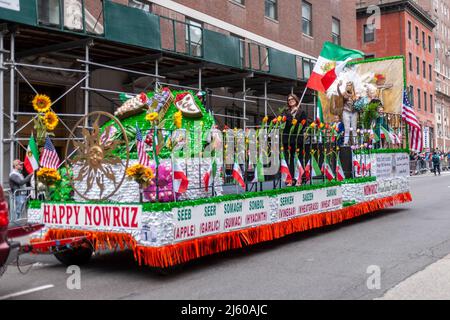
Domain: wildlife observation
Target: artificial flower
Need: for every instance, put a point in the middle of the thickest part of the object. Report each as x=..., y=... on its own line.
x=41, y=103
x=50, y=120
x=279, y=118
x=294, y=122
x=265, y=119
x=151, y=116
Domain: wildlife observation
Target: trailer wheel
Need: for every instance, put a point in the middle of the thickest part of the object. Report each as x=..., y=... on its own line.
x=75, y=256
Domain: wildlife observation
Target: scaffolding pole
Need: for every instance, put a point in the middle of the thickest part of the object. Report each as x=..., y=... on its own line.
x=11, y=99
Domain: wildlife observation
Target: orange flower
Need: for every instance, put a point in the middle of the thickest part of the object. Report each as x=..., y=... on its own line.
x=284, y=119
x=294, y=122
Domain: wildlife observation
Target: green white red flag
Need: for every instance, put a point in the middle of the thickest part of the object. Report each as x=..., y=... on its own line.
x=286, y=176
x=327, y=171
x=212, y=171
x=299, y=171
x=31, y=162
x=237, y=175
x=331, y=62
x=180, y=181
x=340, y=176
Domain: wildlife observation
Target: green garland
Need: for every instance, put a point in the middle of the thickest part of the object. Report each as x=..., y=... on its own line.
x=376, y=151
x=349, y=203
x=158, y=207
x=360, y=180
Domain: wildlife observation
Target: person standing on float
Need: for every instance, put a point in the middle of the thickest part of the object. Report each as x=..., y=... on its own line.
x=292, y=112
x=349, y=115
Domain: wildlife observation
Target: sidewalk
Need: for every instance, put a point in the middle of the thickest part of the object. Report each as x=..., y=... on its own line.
x=432, y=283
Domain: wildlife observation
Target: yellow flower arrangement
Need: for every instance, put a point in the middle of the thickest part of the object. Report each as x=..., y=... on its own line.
x=48, y=175
x=50, y=120
x=140, y=174
x=151, y=116
x=178, y=119
x=265, y=119
x=294, y=122
x=41, y=103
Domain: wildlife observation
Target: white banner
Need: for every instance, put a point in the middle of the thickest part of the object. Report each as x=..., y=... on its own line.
x=92, y=216
x=204, y=220
x=426, y=137
x=10, y=4
x=390, y=165
x=309, y=202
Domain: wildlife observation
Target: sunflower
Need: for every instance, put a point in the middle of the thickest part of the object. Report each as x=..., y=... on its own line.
x=50, y=120
x=151, y=116
x=41, y=103
x=48, y=175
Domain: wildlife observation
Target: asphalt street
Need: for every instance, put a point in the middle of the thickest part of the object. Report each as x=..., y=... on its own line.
x=336, y=262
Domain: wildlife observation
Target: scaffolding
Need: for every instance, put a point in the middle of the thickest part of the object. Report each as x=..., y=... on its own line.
x=235, y=81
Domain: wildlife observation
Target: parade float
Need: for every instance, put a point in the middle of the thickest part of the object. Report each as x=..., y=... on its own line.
x=154, y=178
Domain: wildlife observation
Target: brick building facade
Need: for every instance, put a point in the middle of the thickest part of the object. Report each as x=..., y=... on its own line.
x=440, y=11
x=405, y=29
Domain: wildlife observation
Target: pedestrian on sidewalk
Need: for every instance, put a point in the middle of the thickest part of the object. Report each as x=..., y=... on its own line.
x=436, y=159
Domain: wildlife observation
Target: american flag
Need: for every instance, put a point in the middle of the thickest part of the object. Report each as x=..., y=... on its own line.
x=49, y=158
x=410, y=117
x=144, y=159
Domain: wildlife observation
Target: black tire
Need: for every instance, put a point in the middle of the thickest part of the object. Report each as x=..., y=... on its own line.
x=76, y=256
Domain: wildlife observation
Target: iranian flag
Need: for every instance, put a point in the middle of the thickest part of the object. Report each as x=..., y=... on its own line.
x=284, y=169
x=237, y=175
x=259, y=173
x=308, y=170
x=31, y=160
x=357, y=166
x=328, y=172
x=389, y=135
x=315, y=168
x=210, y=173
x=340, y=176
x=331, y=62
x=180, y=181
x=299, y=171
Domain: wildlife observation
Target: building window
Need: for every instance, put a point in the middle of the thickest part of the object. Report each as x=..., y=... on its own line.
x=369, y=56
x=194, y=38
x=429, y=44
x=430, y=72
x=336, y=31
x=306, y=69
x=419, y=97
x=48, y=12
x=410, y=62
x=369, y=33
x=424, y=67
x=431, y=103
x=424, y=44
x=417, y=35
x=411, y=95
x=418, y=65
x=139, y=4
x=240, y=2
x=271, y=9
x=409, y=30
x=425, y=99
x=307, y=19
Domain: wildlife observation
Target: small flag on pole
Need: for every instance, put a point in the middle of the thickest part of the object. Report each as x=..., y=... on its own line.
x=299, y=171
x=237, y=175
x=31, y=160
x=286, y=176
x=339, y=170
x=210, y=173
x=180, y=181
x=49, y=158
